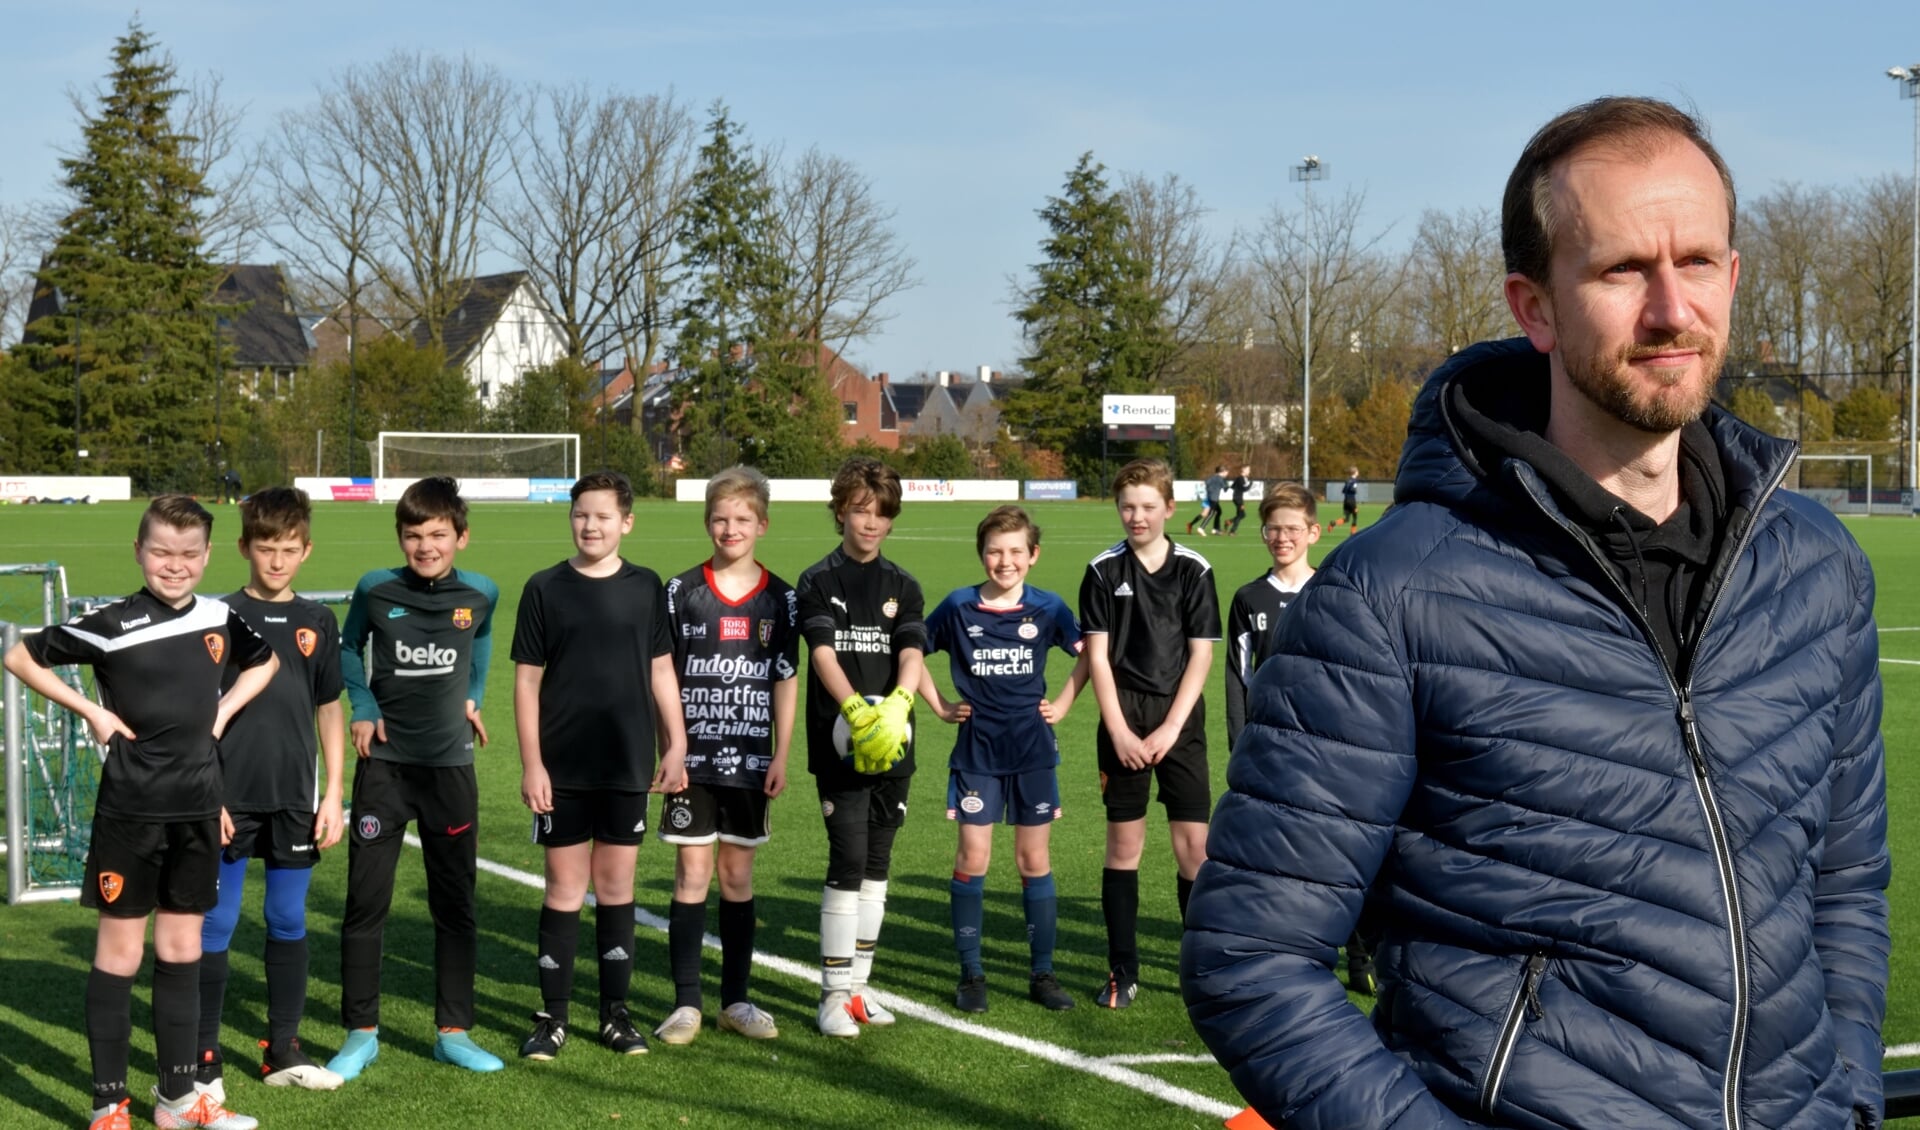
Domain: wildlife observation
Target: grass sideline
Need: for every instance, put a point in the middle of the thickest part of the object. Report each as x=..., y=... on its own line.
x=918, y=1074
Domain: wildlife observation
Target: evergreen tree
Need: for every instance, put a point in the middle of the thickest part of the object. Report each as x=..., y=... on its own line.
x=1090, y=319
x=753, y=394
x=135, y=320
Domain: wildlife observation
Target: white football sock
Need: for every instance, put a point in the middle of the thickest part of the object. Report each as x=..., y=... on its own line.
x=873, y=908
x=840, y=918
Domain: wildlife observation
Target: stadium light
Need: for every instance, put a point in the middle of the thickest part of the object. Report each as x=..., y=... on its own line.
x=1310, y=169
x=1909, y=80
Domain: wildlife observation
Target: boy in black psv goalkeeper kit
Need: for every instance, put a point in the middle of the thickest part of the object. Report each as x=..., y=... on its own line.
x=414, y=657
x=159, y=659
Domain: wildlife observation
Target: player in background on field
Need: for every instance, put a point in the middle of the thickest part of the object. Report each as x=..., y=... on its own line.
x=864, y=621
x=1239, y=485
x=736, y=647
x=1151, y=618
x=414, y=654
x=159, y=658
x=593, y=685
x=1289, y=525
x=1003, y=765
x=270, y=762
x=1350, y=501
x=1205, y=512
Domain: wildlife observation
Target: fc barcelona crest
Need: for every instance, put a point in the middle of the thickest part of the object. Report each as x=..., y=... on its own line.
x=306, y=639
x=216, y=645
x=463, y=618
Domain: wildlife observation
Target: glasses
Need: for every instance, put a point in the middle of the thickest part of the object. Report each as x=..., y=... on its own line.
x=1273, y=532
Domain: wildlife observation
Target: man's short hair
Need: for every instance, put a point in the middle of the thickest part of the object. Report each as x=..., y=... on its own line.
x=276, y=512
x=860, y=478
x=619, y=484
x=178, y=511
x=740, y=481
x=1005, y=520
x=1145, y=473
x=427, y=499
x=1639, y=125
x=1289, y=496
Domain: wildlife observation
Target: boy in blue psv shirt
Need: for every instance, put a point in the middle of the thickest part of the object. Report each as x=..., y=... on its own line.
x=1003, y=766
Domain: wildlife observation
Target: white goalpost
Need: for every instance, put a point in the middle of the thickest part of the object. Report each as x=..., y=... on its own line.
x=477, y=455
x=1837, y=499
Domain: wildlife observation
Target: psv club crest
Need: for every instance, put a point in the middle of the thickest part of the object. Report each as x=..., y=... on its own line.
x=306, y=639
x=216, y=645
x=463, y=618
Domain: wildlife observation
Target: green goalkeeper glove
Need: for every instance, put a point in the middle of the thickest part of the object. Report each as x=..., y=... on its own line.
x=882, y=743
x=859, y=714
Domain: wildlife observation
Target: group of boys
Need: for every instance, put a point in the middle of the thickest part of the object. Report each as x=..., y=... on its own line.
x=611, y=665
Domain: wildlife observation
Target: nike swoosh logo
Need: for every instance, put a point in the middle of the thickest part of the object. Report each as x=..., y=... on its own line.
x=395, y=613
x=460, y=829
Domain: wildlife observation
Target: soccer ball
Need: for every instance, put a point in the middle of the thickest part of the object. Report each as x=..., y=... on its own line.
x=843, y=733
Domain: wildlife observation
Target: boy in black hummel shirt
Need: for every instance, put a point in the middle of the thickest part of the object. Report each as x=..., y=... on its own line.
x=159, y=658
x=864, y=621
x=414, y=655
x=736, y=646
x=278, y=815
x=1289, y=527
x=1151, y=618
x=592, y=676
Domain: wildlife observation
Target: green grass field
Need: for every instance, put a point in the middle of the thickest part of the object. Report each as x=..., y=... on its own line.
x=1017, y=1065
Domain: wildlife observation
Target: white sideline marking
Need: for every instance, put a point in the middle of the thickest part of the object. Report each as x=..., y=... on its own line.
x=1902, y=1051
x=1110, y=1069
x=1155, y=1057
x=1902, y=662
x=1900, y=629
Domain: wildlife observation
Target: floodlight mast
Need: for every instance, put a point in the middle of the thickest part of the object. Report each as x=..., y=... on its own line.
x=1909, y=79
x=1310, y=169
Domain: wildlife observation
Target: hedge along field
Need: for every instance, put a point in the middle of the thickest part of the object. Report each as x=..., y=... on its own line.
x=919, y=1073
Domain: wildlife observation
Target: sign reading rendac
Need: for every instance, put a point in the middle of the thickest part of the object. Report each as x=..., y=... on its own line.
x=1135, y=417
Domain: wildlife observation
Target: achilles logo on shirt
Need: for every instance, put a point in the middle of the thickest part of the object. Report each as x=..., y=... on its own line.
x=216, y=645
x=111, y=884
x=427, y=659
x=306, y=639
x=734, y=628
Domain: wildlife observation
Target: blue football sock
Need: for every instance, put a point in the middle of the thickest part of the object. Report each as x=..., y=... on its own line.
x=969, y=898
x=1043, y=919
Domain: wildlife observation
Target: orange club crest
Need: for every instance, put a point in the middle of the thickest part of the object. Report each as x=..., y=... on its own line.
x=216, y=645
x=306, y=639
x=111, y=884
x=463, y=618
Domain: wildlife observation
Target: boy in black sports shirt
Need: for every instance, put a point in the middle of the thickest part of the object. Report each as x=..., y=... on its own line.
x=593, y=671
x=864, y=621
x=737, y=648
x=278, y=815
x=1289, y=527
x=1151, y=618
x=414, y=655
x=159, y=658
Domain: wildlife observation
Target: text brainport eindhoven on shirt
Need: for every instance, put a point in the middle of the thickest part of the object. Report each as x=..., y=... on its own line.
x=741, y=706
x=878, y=641
x=989, y=661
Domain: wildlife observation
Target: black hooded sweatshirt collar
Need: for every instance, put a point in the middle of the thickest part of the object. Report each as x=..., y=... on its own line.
x=1662, y=567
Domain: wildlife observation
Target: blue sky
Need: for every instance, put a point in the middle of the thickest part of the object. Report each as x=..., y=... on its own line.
x=967, y=115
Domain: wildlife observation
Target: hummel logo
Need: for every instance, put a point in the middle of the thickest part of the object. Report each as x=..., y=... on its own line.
x=617, y=953
x=1125, y=589
x=274, y=619
x=136, y=622
x=396, y=612
x=547, y=962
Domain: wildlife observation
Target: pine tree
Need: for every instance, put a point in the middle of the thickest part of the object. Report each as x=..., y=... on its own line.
x=134, y=290
x=752, y=396
x=1090, y=321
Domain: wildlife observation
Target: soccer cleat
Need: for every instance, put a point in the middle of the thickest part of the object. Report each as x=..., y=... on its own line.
x=836, y=1015
x=113, y=1117
x=1044, y=989
x=1360, y=979
x=1248, y=1119
x=198, y=1108
x=1119, y=991
x=680, y=1026
x=620, y=1036
x=970, y=995
x=866, y=1009
x=546, y=1039
x=362, y=1047
x=751, y=1022
x=457, y=1048
x=288, y=1065
x=207, y=1074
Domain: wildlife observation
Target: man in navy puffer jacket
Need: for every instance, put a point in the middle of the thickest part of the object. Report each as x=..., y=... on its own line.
x=1607, y=764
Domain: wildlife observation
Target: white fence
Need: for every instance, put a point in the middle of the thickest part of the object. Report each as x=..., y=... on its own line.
x=96, y=488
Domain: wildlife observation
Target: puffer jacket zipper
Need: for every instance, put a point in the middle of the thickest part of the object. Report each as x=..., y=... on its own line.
x=1696, y=755
x=1524, y=1006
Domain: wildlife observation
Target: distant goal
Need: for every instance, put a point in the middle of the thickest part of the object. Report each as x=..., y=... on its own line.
x=477, y=455
x=1842, y=483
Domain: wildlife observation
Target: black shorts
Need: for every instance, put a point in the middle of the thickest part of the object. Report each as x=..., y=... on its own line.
x=284, y=838
x=705, y=813
x=135, y=868
x=1186, y=788
x=882, y=804
x=606, y=816
x=1349, y=508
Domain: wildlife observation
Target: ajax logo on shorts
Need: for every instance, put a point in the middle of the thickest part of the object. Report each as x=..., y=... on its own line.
x=680, y=817
x=306, y=639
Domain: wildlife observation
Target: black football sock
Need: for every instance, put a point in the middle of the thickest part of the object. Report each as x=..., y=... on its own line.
x=613, y=932
x=286, y=988
x=686, y=926
x=1183, y=887
x=109, y=1034
x=559, y=942
x=213, y=994
x=736, y=949
x=176, y=1025
x=1120, y=903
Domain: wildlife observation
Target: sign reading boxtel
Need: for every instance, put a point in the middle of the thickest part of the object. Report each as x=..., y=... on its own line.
x=1134, y=409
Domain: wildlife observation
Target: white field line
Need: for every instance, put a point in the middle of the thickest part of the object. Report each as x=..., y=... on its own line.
x=1902, y=662
x=1106, y=1069
x=1902, y=1051
x=1155, y=1057
x=1900, y=629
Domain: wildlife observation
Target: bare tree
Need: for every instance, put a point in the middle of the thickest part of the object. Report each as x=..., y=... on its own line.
x=593, y=206
x=1455, y=279
x=230, y=224
x=839, y=241
x=1872, y=299
x=24, y=239
x=1188, y=266
x=1788, y=260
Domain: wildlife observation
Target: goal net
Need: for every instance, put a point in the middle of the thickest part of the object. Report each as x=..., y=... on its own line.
x=1842, y=483
x=476, y=455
